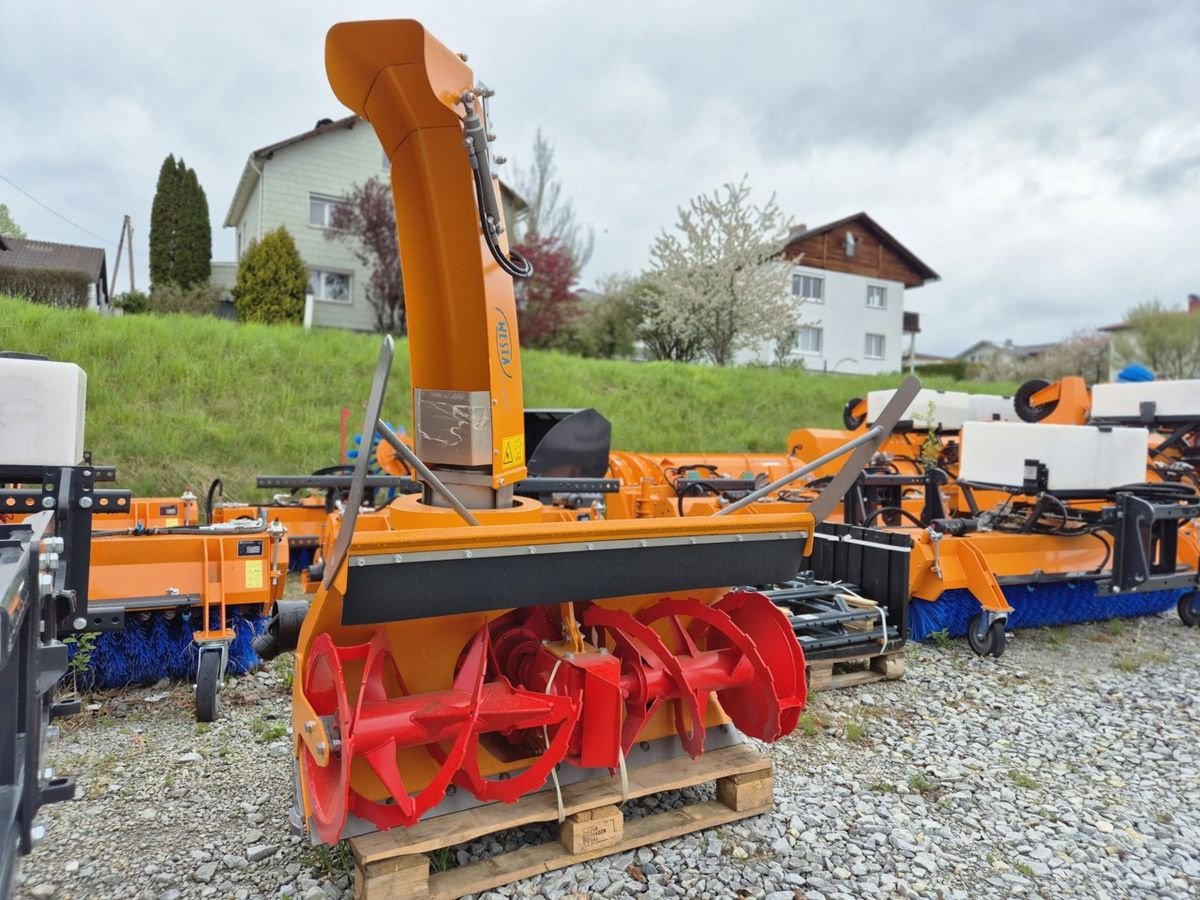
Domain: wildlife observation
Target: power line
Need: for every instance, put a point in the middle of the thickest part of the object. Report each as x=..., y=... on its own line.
x=55, y=212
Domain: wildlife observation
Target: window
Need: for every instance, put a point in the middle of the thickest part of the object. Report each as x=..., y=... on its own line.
x=874, y=348
x=320, y=210
x=808, y=287
x=876, y=296
x=810, y=339
x=332, y=287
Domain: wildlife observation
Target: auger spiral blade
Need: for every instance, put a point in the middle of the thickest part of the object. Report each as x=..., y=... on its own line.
x=386, y=720
x=741, y=649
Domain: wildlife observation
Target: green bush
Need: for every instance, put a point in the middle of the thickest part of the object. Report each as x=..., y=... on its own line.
x=198, y=300
x=132, y=302
x=271, y=281
x=958, y=369
x=55, y=287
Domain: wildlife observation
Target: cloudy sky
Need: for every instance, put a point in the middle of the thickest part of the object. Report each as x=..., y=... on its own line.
x=1043, y=157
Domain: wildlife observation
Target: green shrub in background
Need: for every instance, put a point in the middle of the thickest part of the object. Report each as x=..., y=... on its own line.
x=271, y=281
x=958, y=369
x=198, y=300
x=65, y=288
x=132, y=302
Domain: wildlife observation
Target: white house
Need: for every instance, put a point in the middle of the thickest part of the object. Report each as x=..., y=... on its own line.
x=296, y=183
x=850, y=277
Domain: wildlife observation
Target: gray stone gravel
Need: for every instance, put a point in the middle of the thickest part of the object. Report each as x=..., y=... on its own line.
x=1068, y=768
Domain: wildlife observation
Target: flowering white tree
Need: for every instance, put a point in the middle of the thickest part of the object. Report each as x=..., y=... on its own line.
x=719, y=283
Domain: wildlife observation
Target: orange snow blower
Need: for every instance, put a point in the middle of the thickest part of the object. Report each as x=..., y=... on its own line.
x=470, y=644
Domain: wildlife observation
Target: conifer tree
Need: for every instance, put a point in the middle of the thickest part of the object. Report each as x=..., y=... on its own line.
x=193, y=256
x=180, y=231
x=164, y=222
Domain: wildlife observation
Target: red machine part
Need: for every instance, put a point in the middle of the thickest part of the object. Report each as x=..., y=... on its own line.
x=517, y=682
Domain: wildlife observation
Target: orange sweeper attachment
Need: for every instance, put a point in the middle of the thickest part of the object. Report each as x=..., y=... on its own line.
x=460, y=654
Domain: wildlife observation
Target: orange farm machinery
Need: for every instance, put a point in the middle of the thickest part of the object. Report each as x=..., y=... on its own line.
x=182, y=602
x=991, y=553
x=471, y=636
x=1037, y=525
x=166, y=597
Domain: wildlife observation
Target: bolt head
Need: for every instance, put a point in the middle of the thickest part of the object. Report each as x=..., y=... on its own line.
x=310, y=726
x=85, y=502
x=79, y=624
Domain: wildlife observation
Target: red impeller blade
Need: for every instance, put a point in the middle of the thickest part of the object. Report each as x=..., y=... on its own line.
x=645, y=659
x=328, y=787
x=771, y=634
x=527, y=711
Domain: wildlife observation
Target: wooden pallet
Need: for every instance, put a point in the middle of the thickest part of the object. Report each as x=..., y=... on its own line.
x=824, y=674
x=395, y=863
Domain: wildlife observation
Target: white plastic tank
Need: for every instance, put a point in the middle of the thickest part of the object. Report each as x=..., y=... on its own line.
x=1123, y=401
x=991, y=408
x=42, y=409
x=946, y=410
x=1077, y=457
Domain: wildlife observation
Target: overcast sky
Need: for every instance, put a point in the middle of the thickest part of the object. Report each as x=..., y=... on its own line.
x=1042, y=157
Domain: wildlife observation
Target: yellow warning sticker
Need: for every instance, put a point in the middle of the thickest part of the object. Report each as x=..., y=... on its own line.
x=254, y=573
x=170, y=523
x=512, y=451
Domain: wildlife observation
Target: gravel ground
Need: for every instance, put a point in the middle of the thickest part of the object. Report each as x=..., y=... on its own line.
x=1068, y=768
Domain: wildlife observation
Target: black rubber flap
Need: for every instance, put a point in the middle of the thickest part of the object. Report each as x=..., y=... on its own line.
x=566, y=443
x=416, y=590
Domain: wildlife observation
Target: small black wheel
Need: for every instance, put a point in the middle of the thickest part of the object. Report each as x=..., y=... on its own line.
x=979, y=637
x=283, y=629
x=1189, y=609
x=208, y=685
x=997, y=639
x=849, y=419
x=1026, y=411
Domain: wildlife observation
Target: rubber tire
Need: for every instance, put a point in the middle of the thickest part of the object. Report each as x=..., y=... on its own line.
x=1025, y=411
x=997, y=639
x=852, y=422
x=1189, y=609
x=981, y=648
x=208, y=686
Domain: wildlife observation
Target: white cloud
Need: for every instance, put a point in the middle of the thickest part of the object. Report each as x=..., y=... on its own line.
x=1046, y=164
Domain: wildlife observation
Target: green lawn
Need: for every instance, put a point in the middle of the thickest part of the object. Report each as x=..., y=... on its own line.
x=174, y=401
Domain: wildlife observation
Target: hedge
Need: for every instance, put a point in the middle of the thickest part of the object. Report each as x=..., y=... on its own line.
x=55, y=287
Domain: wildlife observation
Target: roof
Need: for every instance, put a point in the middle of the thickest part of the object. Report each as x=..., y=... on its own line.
x=250, y=174
x=924, y=272
x=26, y=254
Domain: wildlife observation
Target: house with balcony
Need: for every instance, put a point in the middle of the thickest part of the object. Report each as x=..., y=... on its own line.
x=849, y=279
x=297, y=182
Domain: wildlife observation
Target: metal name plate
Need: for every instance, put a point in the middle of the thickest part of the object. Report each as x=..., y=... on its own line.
x=454, y=427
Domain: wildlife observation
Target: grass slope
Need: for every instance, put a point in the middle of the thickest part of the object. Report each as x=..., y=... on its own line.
x=174, y=401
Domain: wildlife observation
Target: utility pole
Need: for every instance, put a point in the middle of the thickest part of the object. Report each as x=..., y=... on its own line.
x=126, y=235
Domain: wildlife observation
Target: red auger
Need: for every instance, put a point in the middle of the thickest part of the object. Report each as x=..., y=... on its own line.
x=519, y=684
